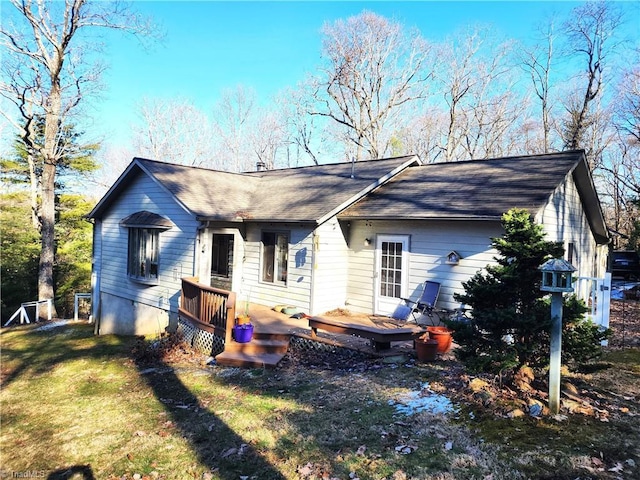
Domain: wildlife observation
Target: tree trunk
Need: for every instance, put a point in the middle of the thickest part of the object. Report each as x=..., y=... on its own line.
x=33, y=184
x=47, y=220
x=48, y=208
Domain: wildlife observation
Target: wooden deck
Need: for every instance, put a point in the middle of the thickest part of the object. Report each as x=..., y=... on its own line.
x=356, y=331
x=381, y=331
x=213, y=310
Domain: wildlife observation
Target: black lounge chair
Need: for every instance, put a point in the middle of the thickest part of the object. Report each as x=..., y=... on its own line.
x=412, y=310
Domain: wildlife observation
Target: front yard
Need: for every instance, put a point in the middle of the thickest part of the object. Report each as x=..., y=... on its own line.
x=79, y=406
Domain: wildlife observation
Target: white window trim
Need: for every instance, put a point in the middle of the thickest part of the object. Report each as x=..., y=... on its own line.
x=275, y=281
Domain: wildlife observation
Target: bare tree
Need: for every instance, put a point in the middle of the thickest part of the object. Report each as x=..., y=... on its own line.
x=22, y=92
x=113, y=159
x=622, y=170
x=456, y=76
x=50, y=56
x=372, y=69
x=627, y=118
x=233, y=116
x=302, y=126
x=493, y=121
x=175, y=131
x=268, y=138
x=420, y=136
x=619, y=186
x=537, y=63
x=589, y=33
x=472, y=86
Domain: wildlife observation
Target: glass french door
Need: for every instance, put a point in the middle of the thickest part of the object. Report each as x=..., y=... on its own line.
x=392, y=255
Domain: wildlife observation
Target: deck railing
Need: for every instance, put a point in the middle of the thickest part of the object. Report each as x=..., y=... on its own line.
x=210, y=309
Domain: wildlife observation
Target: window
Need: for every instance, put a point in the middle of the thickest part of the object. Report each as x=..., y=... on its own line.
x=275, y=255
x=144, y=244
x=144, y=252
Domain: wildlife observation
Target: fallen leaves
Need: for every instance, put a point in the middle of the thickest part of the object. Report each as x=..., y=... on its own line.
x=406, y=449
x=239, y=451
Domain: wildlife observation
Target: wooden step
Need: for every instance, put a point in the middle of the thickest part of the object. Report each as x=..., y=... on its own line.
x=264, y=350
x=249, y=360
x=259, y=345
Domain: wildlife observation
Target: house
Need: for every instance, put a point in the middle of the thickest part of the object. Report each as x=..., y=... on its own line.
x=350, y=235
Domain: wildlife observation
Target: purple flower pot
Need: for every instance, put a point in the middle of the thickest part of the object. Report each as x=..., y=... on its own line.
x=243, y=333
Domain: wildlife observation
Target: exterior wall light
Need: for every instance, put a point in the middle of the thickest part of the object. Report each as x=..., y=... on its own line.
x=367, y=242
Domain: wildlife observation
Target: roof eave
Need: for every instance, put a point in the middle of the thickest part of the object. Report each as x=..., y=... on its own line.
x=592, y=207
x=123, y=180
x=119, y=184
x=254, y=220
x=455, y=218
x=368, y=189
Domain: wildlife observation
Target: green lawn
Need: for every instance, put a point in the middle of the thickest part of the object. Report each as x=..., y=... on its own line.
x=74, y=402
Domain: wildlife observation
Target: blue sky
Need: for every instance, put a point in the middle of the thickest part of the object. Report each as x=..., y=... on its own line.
x=210, y=46
x=213, y=45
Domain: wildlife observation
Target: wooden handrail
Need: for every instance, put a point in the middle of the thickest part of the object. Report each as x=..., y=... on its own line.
x=212, y=309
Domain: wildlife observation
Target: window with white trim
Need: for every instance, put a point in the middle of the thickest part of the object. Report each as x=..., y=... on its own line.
x=144, y=254
x=275, y=256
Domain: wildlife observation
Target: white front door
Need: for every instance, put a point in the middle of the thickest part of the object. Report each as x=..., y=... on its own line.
x=392, y=267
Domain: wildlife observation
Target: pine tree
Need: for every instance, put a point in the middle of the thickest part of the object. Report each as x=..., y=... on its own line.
x=21, y=173
x=511, y=317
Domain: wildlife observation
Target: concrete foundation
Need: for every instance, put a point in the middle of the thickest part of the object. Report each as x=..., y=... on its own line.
x=122, y=316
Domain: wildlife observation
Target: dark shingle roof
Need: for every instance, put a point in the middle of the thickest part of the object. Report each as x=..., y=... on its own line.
x=145, y=219
x=292, y=194
x=393, y=188
x=468, y=190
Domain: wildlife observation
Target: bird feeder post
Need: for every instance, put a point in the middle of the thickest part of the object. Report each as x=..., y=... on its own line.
x=556, y=279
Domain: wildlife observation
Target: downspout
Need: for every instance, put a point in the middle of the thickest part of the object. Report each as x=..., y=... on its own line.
x=96, y=264
x=312, y=294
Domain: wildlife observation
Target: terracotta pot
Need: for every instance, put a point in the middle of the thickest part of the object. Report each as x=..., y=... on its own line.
x=426, y=349
x=243, y=319
x=443, y=336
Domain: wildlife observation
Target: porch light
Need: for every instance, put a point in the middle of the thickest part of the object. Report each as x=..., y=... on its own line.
x=453, y=258
x=367, y=242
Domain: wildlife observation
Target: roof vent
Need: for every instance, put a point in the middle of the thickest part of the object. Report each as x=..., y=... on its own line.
x=261, y=166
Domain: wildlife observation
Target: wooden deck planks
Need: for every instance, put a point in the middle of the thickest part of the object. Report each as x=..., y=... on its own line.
x=380, y=331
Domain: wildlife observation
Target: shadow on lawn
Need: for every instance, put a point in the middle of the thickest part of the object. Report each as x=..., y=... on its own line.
x=77, y=472
x=209, y=436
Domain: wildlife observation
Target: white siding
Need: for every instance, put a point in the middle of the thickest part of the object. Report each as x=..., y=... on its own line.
x=297, y=291
x=564, y=220
x=429, y=244
x=330, y=268
x=177, y=246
